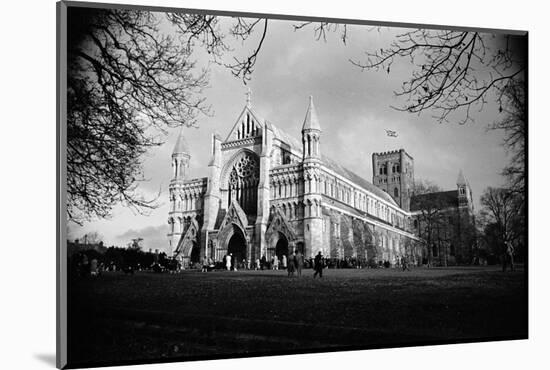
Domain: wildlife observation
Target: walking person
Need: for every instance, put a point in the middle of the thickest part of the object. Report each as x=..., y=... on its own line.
x=291, y=266
x=404, y=263
x=234, y=262
x=284, y=261
x=275, y=262
x=299, y=262
x=319, y=264
x=228, y=261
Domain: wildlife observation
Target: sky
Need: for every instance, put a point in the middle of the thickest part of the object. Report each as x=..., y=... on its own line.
x=354, y=110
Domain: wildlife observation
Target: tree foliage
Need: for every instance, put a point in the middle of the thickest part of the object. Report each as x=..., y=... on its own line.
x=503, y=220
x=452, y=70
x=430, y=208
x=131, y=75
x=514, y=126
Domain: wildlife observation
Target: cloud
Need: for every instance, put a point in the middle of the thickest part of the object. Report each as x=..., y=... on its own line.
x=354, y=109
x=154, y=237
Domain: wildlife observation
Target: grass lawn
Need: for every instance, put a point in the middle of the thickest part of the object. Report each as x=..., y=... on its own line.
x=119, y=318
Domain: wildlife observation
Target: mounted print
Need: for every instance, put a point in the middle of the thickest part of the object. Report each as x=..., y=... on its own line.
x=238, y=185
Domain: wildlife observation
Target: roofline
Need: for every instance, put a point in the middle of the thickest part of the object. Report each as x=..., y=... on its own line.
x=394, y=206
x=396, y=151
x=375, y=223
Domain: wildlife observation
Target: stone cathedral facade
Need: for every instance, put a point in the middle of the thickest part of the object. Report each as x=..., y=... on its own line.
x=268, y=193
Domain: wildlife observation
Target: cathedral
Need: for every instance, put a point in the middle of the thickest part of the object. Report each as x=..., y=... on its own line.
x=268, y=193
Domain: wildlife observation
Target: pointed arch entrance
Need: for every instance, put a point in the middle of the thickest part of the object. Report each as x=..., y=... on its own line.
x=282, y=247
x=280, y=235
x=236, y=245
x=195, y=253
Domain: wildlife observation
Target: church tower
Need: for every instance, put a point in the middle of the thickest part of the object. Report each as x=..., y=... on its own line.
x=464, y=192
x=311, y=137
x=180, y=166
x=393, y=172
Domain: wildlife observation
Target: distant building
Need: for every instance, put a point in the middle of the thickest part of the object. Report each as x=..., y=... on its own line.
x=445, y=220
x=268, y=193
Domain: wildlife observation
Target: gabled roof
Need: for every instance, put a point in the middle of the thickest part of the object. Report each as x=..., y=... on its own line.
x=441, y=200
x=246, y=110
x=311, y=121
x=286, y=138
x=353, y=177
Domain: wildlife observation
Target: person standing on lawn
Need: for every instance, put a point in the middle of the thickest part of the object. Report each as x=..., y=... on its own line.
x=228, y=261
x=299, y=262
x=291, y=266
x=318, y=265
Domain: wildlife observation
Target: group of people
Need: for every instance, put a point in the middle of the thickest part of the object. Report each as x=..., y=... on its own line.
x=293, y=264
x=296, y=263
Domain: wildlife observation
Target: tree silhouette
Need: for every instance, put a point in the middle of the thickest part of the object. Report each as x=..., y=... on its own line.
x=452, y=70
x=501, y=207
x=514, y=126
x=128, y=80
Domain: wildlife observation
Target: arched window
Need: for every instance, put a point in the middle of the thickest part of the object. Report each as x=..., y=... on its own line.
x=396, y=192
x=243, y=182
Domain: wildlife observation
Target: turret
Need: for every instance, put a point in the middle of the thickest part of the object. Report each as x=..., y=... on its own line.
x=180, y=164
x=311, y=133
x=180, y=158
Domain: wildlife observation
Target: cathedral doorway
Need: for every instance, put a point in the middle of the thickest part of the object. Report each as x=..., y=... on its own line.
x=195, y=253
x=237, y=245
x=281, y=248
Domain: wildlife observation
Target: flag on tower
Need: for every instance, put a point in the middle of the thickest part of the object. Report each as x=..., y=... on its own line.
x=391, y=133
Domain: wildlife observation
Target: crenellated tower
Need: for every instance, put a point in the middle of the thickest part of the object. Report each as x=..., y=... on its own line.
x=311, y=139
x=393, y=172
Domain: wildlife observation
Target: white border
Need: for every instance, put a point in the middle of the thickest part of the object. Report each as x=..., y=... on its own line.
x=28, y=182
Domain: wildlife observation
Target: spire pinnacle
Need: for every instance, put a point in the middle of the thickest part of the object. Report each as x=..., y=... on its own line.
x=311, y=121
x=181, y=144
x=461, y=180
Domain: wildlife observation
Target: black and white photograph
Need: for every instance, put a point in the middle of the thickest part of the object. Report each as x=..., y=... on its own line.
x=196, y=184
x=242, y=185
